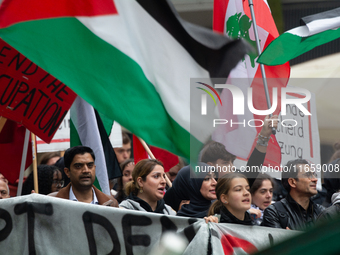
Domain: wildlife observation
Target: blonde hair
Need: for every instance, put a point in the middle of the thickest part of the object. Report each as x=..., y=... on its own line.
x=223, y=186
x=142, y=169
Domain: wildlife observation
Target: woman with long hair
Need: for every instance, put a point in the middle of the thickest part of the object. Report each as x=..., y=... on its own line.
x=233, y=200
x=49, y=180
x=262, y=194
x=146, y=190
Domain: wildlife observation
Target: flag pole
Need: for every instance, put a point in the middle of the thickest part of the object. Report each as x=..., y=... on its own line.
x=146, y=147
x=23, y=162
x=264, y=78
x=2, y=122
x=35, y=168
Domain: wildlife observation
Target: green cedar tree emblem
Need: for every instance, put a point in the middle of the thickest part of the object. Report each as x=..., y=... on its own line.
x=238, y=27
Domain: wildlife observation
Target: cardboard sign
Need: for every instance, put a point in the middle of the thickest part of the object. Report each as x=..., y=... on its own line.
x=31, y=96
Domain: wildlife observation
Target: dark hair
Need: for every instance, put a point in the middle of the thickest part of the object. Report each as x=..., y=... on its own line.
x=290, y=171
x=223, y=186
x=126, y=138
x=142, y=169
x=45, y=179
x=214, y=151
x=71, y=152
x=60, y=164
x=258, y=182
x=47, y=156
x=8, y=191
x=120, y=196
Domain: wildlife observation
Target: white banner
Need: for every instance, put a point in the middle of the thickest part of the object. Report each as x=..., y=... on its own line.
x=38, y=224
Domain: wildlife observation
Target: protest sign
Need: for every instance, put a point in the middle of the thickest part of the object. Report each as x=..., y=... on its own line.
x=60, y=140
x=31, y=96
x=299, y=136
x=38, y=224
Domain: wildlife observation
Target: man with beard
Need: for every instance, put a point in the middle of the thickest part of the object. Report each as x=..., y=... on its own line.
x=297, y=210
x=81, y=169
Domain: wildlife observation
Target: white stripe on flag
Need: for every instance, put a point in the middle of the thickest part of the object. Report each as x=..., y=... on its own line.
x=84, y=120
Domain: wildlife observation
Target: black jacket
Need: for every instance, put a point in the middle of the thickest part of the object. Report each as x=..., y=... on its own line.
x=228, y=217
x=331, y=212
x=292, y=214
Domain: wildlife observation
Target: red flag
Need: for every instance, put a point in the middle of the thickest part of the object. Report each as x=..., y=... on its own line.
x=167, y=158
x=11, y=147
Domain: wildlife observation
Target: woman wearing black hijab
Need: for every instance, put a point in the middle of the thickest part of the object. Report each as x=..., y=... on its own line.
x=200, y=191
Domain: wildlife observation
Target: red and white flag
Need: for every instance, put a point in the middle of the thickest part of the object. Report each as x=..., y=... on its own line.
x=233, y=18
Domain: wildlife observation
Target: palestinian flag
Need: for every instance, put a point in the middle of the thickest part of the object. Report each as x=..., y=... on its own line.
x=318, y=29
x=132, y=60
x=87, y=129
x=233, y=18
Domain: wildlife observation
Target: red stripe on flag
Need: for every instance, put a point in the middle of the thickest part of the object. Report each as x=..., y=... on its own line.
x=263, y=16
x=139, y=152
x=15, y=11
x=229, y=242
x=219, y=12
x=167, y=158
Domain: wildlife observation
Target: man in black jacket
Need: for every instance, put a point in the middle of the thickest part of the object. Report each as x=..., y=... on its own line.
x=296, y=211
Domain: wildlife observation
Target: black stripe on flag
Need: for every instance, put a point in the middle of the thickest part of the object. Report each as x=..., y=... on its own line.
x=113, y=168
x=216, y=53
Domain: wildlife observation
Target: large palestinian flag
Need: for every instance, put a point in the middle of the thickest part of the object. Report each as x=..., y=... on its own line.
x=132, y=60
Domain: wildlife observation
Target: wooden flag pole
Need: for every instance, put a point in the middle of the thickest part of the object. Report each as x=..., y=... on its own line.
x=2, y=122
x=146, y=147
x=35, y=168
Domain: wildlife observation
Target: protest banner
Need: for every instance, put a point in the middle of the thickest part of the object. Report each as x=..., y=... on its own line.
x=31, y=96
x=38, y=224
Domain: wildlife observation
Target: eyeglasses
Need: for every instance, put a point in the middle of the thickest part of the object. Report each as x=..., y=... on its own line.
x=58, y=182
x=310, y=175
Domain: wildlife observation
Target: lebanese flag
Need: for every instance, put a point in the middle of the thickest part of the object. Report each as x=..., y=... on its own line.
x=131, y=60
x=12, y=139
x=167, y=158
x=232, y=17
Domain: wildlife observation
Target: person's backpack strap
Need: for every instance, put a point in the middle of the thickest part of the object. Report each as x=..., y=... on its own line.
x=282, y=214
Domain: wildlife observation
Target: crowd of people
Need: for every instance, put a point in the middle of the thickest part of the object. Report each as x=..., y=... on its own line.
x=226, y=197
